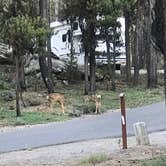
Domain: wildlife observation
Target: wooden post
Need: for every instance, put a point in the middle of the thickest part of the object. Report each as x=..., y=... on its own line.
x=141, y=133
x=123, y=120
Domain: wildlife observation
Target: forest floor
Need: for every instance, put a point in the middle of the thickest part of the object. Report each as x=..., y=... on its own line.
x=103, y=152
x=37, y=111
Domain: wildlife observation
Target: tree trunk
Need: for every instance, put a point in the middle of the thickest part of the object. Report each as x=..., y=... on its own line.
x=163, y=6
x=137, y=46
x=92, y=39
x=151, y=57
x=86, y=56
x=46, y=64
x=43, y=8
x=44, y=72
x=92, y=71
x=127, y=45
x=136, y=61
x=22, y=73
x=165, y=69
x=21, y=77
x=151, y=68
x=18, y=112
x=159, y=31
x=71, y=67
x=86, y=70
x=109, y=60
x=72, y=44
x=114, y=60
x=49, y=59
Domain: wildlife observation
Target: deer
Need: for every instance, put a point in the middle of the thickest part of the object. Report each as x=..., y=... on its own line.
x=97, y=100
x=56, y=97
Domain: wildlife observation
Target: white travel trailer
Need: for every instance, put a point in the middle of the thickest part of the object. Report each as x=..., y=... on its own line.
x=61, y=45
x=60, y=41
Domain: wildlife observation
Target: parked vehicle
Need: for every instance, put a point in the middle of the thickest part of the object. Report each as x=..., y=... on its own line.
x=61, y=43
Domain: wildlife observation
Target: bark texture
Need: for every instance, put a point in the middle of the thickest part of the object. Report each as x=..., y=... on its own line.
x=127, y=45
x=151, y=54
x=45, y=61
x=159, y=31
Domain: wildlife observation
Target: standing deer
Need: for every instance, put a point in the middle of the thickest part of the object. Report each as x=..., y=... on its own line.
x=56, y=97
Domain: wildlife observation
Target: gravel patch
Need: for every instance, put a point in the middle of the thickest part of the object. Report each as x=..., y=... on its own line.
x=70, y=154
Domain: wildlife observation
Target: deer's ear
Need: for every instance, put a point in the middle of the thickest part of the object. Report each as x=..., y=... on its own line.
x=47, y=97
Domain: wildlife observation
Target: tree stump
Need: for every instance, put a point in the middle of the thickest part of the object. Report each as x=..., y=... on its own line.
x=141, y=133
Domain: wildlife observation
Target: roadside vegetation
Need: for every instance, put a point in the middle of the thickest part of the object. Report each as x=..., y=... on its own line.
x=94, y=160
x=38, y=112
x=155, y=162
x=8, y=118
x=103, y=159
x=75, y=104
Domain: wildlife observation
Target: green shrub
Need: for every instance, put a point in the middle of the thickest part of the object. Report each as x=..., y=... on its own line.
x=32, y=99
x=4, y=85
x=94, y=159
x=7, y=95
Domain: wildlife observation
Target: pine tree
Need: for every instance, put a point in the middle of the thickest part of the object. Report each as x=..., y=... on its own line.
x=20, y=30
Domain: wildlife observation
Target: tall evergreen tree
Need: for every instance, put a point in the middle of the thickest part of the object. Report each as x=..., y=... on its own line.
x=86, y=13
x=159, y=31
x=45, y=61
x=127, y=6
x=109, y=27
x=149, y=51
x=19, y=30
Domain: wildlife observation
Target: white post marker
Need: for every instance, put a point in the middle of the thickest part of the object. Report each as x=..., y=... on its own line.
x=123, y=120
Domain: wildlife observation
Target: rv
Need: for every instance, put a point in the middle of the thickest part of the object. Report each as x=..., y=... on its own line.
x=61, y=45
x=60, y=41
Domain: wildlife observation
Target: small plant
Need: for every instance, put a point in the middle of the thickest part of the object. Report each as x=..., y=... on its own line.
x=7, y=95
x=94, y=159
x=156, y=162
x=4, y=85
x=71, y=71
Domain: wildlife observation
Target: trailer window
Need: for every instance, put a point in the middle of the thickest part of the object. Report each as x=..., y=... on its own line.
x=64, y=37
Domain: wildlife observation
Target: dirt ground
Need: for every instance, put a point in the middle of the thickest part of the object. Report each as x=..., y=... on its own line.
x=72, y=154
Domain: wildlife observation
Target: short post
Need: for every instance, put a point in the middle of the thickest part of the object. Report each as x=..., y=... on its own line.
x=141, y=133
x=123, y=120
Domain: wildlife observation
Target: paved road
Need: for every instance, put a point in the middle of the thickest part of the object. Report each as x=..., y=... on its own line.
x=93, y=127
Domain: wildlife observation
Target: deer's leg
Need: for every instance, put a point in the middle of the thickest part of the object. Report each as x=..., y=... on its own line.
x=22, y=100
x=50, y=104
x=96, y=109
x=99, y=108
x=62, y=107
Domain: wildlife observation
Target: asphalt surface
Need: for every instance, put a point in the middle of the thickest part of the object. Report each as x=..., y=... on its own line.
x=107, y=125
